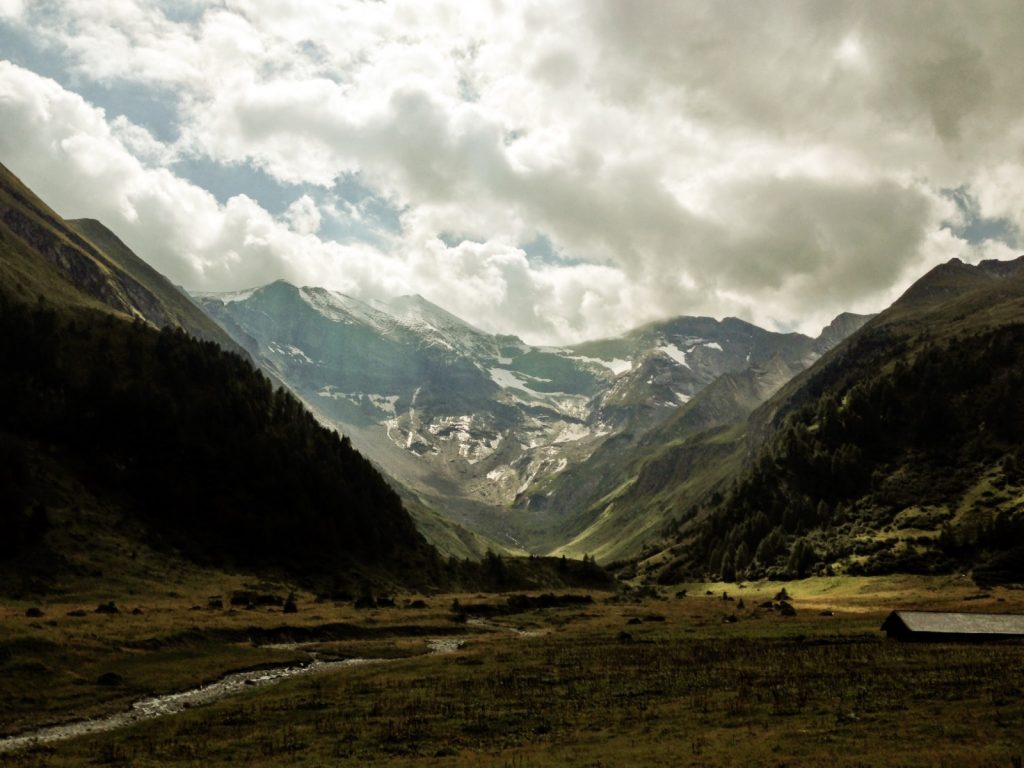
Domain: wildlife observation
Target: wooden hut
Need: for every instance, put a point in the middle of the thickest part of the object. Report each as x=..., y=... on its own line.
x=936, y=626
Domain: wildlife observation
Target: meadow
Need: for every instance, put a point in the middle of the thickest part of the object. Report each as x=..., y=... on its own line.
x=713, y=678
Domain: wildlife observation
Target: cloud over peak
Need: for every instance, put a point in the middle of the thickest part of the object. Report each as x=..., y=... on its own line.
x=780, y=163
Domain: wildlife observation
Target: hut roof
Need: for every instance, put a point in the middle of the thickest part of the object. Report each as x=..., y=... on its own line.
x=961, y=623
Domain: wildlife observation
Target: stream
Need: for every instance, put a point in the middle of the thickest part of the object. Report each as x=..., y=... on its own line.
x=173, y=703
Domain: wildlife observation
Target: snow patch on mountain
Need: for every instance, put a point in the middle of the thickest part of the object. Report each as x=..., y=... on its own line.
x=227, y=298
x=675, y=353
x=384, y=403
x=448, y=426
x=340, y=308
x=616, y=365
x=333, y=393
x=434, y=326
x=527, y=482
x=417, y=312
x=506, y=379
x=516, y=380
x=500, y=473
x=570, y=433
x=545, y=462
x=289, y=351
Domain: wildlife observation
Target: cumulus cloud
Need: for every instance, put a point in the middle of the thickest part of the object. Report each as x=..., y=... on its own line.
x=781, y=163
x=304, y=216
x=55, y=136
x=85, y=166
x=12, y=9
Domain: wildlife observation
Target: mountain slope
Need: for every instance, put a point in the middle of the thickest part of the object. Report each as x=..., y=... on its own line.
x=480, y=427
x=90, y=266
x=166, y=305
x=627, y=491
x=898, y=451
x=157, y=437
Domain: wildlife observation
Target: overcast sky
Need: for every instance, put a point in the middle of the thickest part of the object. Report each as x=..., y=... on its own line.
x=559, y=170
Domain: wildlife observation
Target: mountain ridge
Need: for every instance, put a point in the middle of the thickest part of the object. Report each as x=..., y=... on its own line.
x=79, y=267
x=897, y=451
x=472, y=421
x=119, y=437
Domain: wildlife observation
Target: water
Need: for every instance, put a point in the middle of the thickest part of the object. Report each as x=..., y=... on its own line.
x=171, y=704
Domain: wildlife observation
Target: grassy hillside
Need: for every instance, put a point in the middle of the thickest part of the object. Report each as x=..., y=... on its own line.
x=629, y=489
x=898, y=452
x=82, y=263
x=177, y=309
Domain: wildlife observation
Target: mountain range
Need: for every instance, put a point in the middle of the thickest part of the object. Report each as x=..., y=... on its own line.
x=132, y=423
x=687, y=448
x=899, y=451
x=491, y=432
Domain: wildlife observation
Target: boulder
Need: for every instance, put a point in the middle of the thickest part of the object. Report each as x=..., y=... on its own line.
x=109, y=678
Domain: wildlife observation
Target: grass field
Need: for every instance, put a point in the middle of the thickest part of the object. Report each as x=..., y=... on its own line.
x=557, y=686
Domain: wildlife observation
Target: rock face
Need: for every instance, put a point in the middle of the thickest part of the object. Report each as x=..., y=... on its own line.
x=475, y=422
x=844, y=325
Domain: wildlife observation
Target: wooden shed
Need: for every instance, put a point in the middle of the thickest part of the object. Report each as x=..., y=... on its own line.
x=936, y=626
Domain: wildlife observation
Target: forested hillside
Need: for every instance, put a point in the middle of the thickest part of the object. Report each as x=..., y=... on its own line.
x=190, y=440
x=899, y=452
x=159, y=434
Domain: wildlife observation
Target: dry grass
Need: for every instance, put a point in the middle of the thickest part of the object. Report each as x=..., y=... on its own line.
x=688, y=689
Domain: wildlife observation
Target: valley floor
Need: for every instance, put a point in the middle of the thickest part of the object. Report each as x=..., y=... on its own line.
x=622, y=681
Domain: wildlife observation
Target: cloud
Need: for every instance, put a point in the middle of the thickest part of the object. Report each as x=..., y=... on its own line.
x=12, y=9
x=54, y=136
x=781, y=163
x=304, y=216
x=84, y=165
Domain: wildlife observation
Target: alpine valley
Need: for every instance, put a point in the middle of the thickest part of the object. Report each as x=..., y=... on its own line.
x=501, y=437
x=576, y=384
x=286, y=606
x=690, y=447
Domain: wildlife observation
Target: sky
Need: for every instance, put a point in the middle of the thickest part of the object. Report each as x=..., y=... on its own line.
x=560, y=170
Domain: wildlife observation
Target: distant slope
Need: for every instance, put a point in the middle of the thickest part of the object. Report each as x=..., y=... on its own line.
x=448, y=537
x=435, y=402
x=627, y=492
x=624, y=494
x=899, y=451
x=673, y=360
x=480, y=427
x=162, y=437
